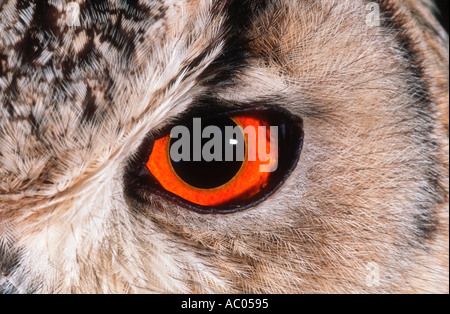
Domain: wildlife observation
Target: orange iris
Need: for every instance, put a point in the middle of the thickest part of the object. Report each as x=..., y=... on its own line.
x=247, y=182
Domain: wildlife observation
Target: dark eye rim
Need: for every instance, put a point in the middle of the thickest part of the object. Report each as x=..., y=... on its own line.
x=139, y=183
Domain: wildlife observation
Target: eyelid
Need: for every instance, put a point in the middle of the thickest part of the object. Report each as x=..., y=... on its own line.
x=141, y=185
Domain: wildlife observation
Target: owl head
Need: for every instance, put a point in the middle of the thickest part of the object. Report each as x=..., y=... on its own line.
x=127, y=131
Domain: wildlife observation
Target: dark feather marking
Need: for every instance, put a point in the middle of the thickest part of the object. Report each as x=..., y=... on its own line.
x=43, y=32
x=115, y=34
x=44, y=23
x=9, y=260
x=89, y=106
x=233, y=59
x=3, y=60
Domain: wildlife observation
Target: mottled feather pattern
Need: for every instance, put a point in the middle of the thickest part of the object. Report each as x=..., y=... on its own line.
x=78, y=101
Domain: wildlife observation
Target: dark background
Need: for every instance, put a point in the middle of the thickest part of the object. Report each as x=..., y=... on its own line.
x=444, y=12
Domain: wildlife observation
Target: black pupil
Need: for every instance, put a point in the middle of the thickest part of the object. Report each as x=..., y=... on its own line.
x=211, y=174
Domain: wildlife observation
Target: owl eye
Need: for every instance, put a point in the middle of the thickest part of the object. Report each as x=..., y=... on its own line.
x=223, y=163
